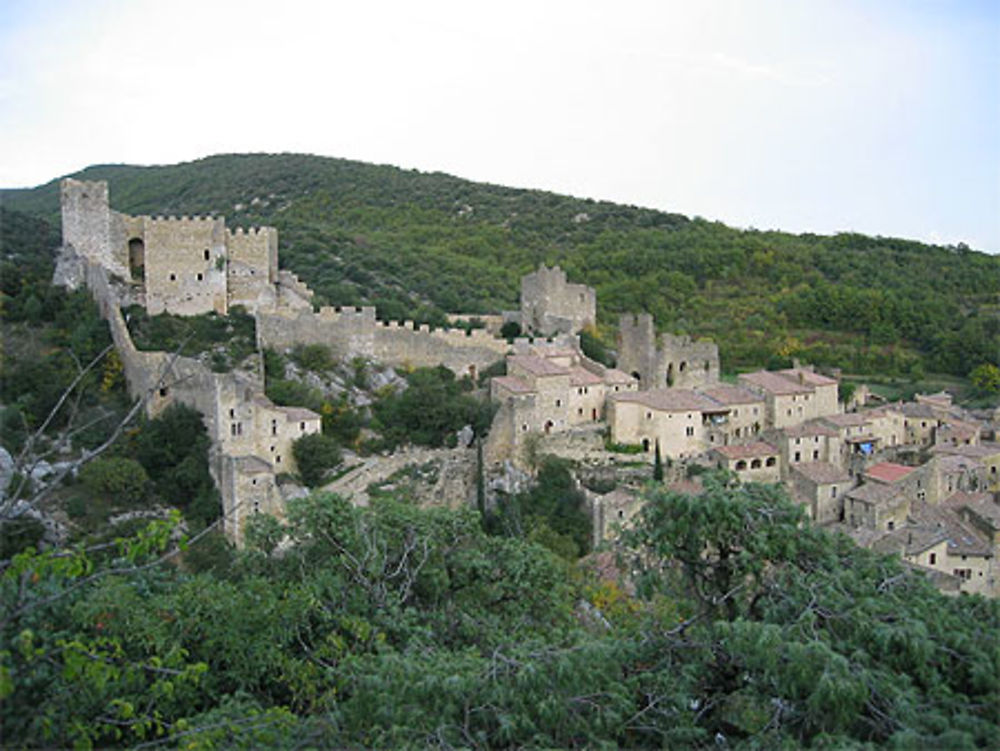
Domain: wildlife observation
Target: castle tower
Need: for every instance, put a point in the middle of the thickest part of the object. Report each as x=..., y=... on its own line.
x=87, y=224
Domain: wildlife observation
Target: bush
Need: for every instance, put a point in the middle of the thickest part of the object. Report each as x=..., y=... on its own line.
x=121, y=479
x=315, y=454
x=314, y=357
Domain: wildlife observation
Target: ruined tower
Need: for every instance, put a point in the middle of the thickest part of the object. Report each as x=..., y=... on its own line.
x=674, y=361
x=550, y=305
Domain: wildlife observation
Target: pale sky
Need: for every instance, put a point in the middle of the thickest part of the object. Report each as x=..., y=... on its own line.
x=881, y=117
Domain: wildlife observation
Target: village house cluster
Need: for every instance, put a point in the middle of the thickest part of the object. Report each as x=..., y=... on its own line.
x=919, y=479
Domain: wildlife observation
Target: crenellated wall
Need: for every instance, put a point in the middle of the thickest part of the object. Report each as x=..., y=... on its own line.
x=355, y=332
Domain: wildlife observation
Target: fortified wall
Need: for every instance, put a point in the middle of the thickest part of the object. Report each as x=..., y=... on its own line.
x=673, y=361
x=355, y=332
x=251, y=438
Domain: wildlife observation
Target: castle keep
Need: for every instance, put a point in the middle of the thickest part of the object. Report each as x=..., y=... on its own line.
x=180, y=265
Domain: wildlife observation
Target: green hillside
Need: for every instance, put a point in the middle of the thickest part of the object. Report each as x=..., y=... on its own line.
x=418, y=245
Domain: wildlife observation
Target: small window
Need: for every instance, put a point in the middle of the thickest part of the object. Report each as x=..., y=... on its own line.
x=207, y=254
x=201, y=277
x=755, y=464
x=173, y=277
x=278, y=459
x=163, y=391
x=891, y=525
x=798, y=456
x=815, y=456
x=558, y=402
x=232, y=413
x=933, y=558
x=689, y=430
x=302, y=426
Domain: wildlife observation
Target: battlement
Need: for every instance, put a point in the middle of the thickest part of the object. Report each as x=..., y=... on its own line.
x=249, y=231
x=333, y=313
x=181, y=218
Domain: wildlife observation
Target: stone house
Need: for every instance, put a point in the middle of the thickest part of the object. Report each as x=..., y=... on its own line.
x=820, y=486
x=679, y=419
x=876, y=506
x=745, y=417
x=969, y=555
x=986, y=454
x=793, y=396
x=751, y=462
x=920, y=423
x=554, y=388
x=812, y=441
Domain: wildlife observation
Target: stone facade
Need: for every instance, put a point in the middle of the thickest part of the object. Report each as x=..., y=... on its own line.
x=551, y=305
x=793, y=396
x=355, y=332
x=673, y=361
x=251, y=437
x=179, y=265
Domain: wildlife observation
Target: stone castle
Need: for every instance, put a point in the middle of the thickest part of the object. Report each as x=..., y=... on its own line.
x=195, y=265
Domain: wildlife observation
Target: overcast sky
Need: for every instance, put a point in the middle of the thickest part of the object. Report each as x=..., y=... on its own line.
x=802, y=115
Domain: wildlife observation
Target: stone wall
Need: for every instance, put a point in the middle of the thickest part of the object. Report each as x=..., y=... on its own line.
x=355, y=332
x=673, y=361
x=182, y=272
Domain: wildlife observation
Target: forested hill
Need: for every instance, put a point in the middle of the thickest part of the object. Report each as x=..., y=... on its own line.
x=419, y=244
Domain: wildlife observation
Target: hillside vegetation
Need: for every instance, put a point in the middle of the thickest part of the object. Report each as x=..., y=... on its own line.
x=418, y=245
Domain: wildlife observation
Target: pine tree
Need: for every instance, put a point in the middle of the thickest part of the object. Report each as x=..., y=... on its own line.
x=658, y=465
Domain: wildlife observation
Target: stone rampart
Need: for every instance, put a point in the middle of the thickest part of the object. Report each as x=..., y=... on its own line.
x=355, y=332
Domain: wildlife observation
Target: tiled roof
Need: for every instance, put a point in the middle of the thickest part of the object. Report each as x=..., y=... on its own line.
x=513, y=384
x=872, y=492
x=613, y=375
x=809, y=377
x=729, y=395
x=297, y=414
x=539, y=366
x=962, y=538
x=888, y=472
x=979, y=504
x=912, y=409
x=775, y=383
x=848, y=419
x=669, y=400
x=582, y=377
x=811, y=428
x=746, y=451
x=821, y=473
x=982, y=451
x=909, y=540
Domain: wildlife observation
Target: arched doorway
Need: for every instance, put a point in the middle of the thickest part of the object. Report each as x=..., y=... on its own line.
x=548, y=426
x=137, y=259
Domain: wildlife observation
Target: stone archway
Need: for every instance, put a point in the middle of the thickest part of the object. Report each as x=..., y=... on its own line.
x=137, y=259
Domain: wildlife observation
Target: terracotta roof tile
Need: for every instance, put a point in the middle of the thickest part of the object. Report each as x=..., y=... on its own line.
x=747, y=450
x=888, y=472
